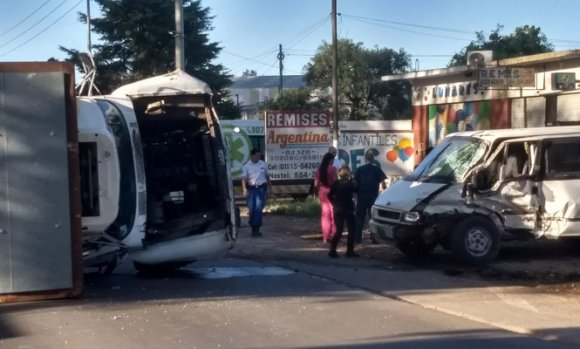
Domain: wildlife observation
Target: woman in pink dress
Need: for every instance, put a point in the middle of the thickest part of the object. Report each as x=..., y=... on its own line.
x=323, y=179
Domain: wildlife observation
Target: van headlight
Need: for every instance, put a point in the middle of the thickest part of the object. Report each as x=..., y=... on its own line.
x=411, y=217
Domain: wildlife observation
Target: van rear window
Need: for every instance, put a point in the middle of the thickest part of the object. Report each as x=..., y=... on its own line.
x=562, y=158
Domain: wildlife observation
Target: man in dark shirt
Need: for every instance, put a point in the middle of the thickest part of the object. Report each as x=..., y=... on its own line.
x=367, y=178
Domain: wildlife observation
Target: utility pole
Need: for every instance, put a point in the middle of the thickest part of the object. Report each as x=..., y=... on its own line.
x=281, y=59
x=334, y=79
x=179, y=37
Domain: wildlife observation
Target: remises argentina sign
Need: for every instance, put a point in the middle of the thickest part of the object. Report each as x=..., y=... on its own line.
x=503, y=77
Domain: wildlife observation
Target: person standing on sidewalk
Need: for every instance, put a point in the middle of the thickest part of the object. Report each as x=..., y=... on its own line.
x=255, y=182
x=367, y=178
x=337, y=162
x=323, y=179
x=341, y=195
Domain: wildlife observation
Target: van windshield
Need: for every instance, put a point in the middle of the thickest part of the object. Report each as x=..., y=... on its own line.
x=450, y=160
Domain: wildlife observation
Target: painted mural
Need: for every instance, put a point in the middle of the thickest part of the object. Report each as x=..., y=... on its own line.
x=448, y=118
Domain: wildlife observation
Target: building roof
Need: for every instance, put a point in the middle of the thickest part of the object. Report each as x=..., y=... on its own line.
x=522, y=61
x=269, y=81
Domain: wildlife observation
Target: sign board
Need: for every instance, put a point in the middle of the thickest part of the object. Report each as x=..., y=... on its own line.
x=241, y=137
x=390, y=141
x=564, y=81
x=296, y=141
x=504, y=77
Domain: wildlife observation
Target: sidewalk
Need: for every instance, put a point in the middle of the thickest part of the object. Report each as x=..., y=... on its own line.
x=501, y=304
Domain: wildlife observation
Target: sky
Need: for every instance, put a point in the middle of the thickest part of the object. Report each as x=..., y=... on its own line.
x=250, y=31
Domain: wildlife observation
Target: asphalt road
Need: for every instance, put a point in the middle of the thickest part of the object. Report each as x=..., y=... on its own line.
x=282, y=291
x=239, y=303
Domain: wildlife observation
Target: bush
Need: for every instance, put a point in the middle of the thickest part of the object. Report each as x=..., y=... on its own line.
x=308, y=207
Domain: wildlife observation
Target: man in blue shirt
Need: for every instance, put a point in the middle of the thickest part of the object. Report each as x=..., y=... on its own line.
x=255, y=179
x=368, y=177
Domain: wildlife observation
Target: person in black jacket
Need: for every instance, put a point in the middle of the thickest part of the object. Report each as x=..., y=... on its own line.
x=341, y=195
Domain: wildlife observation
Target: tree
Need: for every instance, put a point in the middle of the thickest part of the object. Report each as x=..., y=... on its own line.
x=361, y=93
x=293, y=99
x=137, y=41
x=526, y=40
x=248, y=72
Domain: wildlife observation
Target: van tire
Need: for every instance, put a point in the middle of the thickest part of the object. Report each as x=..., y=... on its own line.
x=415, y=248
x=475, y=241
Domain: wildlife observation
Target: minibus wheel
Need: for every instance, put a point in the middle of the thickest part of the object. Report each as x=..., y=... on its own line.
x=238, y=217
x=158, y=269
x=475, y=240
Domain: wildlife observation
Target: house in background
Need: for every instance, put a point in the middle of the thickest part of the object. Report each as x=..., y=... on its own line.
x=249, y=92
x=529, y=91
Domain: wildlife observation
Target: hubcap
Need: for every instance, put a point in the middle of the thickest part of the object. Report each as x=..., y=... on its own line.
x=477, y=242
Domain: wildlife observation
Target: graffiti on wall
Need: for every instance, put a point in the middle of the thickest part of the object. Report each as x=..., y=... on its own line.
x=449, y=118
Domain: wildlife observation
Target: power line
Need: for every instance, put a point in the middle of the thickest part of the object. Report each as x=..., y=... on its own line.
x=294, y=40
x=44, y=29
x=405, y=30
x=308, y=31
x=24, y=19
x=35, y=24
x=452, y=30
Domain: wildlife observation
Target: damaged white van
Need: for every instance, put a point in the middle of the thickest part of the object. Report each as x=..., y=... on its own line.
x=477, y=188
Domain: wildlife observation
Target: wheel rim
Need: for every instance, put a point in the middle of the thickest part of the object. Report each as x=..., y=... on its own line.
x=478, y=242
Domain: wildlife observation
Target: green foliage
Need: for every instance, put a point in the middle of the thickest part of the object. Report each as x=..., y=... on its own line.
x=525, y=40
x=294, y=99
x=309, y=207
x=137, y=41
x=361, y=93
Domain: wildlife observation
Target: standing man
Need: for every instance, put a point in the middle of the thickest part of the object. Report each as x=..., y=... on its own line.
x=367, y=178
x=337, y=162
x=255, y=181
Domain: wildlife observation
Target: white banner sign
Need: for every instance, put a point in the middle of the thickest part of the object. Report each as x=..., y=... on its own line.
x=296, y=141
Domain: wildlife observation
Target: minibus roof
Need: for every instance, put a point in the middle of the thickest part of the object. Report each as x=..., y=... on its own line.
x=493, y=135
x=177, y=82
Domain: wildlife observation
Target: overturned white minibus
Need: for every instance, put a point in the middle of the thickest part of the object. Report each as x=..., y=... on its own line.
x=155, y=181
x=476, y=189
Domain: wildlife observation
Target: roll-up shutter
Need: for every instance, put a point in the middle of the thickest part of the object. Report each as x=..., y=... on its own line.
x=568, y=108
x=518, y=114
x=536, y=112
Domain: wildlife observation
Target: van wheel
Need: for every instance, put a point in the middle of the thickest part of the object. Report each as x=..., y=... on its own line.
x=475, y=241
x=415, y=248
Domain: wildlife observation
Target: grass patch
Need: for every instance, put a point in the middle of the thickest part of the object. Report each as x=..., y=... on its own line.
x=308, y=207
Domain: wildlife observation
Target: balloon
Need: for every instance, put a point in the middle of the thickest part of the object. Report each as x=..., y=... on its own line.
x=409, y=151
x=404, y=143
x=392, y=155
x=402, y=155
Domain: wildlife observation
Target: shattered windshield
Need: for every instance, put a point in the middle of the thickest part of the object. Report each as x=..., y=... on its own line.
x=450, y=160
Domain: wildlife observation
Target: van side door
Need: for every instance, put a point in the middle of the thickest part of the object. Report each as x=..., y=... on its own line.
x=560, y=187
x=511, y=188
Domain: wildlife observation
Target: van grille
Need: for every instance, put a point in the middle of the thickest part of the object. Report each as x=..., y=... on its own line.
x=392, y=215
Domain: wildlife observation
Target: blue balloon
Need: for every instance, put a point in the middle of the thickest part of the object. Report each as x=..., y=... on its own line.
x=402, y=155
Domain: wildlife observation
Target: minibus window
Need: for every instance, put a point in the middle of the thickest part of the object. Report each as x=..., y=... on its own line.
x=450, y=160
x=562, y=159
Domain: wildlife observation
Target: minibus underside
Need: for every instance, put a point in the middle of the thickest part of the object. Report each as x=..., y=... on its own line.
x=186, y=193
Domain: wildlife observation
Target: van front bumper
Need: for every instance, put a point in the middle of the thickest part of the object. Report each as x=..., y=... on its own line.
x=394, y=232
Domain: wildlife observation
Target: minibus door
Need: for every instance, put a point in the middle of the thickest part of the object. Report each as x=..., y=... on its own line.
x=512, y=178
x=559, y=193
